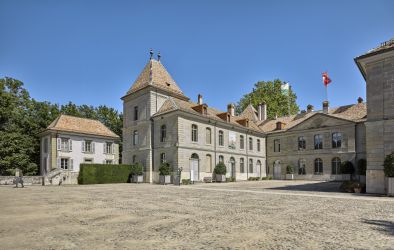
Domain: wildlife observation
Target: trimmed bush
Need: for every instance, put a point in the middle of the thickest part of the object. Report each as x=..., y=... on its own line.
x=253, y=178
x=165, y=169
x=289, y=169
x=137, y=169
x=347, y=168
x=103, y=173
x=389, y=165
x=186, y=182
x=220, y=169
x=362, y=167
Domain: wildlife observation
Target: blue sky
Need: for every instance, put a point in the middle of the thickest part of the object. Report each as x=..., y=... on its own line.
x=90, y=52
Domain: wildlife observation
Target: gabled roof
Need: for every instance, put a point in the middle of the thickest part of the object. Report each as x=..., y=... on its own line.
x=354, y=113
x=174, y=104
x=251, y=113
x=67, y=123
x=154, y=74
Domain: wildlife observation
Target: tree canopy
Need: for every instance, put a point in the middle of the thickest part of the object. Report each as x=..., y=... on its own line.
x=22, y=118
x=270, y=93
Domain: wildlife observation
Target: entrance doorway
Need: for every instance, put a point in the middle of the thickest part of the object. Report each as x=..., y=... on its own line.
x=232, y=167
x=277, y=170
x=194, y=167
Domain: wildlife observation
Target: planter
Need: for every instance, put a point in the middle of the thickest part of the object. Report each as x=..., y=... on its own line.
x=165, y=179
x=221, y=178
x=137, y=178
x=289, y=176
x=390, y=186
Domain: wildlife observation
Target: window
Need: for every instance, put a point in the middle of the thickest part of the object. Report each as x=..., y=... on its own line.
x=318, y=141
x=108, y=148
x=250, y=166
x=241, y=165
x=194, y=133
x=258, y=145
x=221, y=138
x=135, y=113
x=134, y=159
x=87, y=146
x=163, y=133
x=46, y=145
x=208, y=137
x=336, y=140
x=301, y=167
x=336, y=165
x=318, y=166
x=162, y=157
x=65, y=144
x=277, y=145
x=221, y=158
x=250, y=143
x=301, y=143
x=241, y=142
x=86, y=160
x=209, y=163
x=108, y=161
x=64, y=163
x=135, y=137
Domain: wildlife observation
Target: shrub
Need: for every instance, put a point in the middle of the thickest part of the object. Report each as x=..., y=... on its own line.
x=362, y=167
x=137, y=169
x=389, y=165
x=103, y=173
x=165, y=169
x=220, y=169
x=266, y=178
x=348, y=186
x=289, y=169
x=232, y=179
x=186, y=181
x=347, y=167
x=253, y=178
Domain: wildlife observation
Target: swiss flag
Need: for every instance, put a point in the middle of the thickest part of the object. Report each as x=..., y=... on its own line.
x=326, y=79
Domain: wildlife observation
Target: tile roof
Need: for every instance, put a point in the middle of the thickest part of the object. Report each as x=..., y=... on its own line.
x=354, y=112
x=154, y=74
x=251, y=113
x=67, y=123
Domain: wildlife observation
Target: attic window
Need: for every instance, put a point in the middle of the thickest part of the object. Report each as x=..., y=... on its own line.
x=168, y=85
x=204, y=110
x=280, y=125
x=228, y=117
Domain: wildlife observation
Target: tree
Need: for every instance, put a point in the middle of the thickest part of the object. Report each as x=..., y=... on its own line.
x=270, y=93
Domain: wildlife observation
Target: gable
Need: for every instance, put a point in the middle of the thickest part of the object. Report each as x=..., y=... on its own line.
x=320, y=121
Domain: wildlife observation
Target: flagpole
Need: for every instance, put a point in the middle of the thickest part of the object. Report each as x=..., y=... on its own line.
x=326, y=92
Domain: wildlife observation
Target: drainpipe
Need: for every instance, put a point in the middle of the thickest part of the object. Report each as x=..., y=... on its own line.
x=247, y=155
x=214, y=141
x=152, y=148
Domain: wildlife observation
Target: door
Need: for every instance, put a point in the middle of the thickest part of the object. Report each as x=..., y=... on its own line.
x=194, y=170
x=232, y=167
x=277, y=170
x=258, y=168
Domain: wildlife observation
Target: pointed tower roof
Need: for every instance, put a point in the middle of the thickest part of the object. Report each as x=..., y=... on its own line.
x=155, y=74
x=250, y=112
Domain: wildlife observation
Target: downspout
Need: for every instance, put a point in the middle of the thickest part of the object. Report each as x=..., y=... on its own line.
x=152, y=149
x=214, y=141
x=247, y=155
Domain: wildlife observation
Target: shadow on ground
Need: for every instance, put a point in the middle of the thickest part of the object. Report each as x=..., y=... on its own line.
x=383, y=226
x=311, y=187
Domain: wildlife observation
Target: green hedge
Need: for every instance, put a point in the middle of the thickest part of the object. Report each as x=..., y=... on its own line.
x=104, y=173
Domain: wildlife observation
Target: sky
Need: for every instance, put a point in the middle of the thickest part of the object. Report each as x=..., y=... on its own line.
x=91, y=52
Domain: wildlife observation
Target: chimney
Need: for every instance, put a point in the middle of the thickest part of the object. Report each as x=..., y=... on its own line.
x=199, y=99
x=262, y=111
x=231, y=109
x=325, y=107
x=360, y=100
x=309, y=108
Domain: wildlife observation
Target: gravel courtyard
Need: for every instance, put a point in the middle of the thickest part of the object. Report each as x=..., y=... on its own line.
x=264, y=214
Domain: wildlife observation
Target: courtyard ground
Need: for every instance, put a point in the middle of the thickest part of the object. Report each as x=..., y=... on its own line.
x=263, y=214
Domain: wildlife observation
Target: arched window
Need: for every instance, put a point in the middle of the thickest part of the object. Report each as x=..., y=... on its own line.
x=221, y=138
x=163, y=158
x=250, y=166
x=241, y=142
x=318, y=141
x=135, y=137
x=301, y=166
x=336, y=165
x=241, y=165
x=250, y=143
x=336, y=140
x=163, y=133
x=194, y=133
x=276, y=145
x=221, y=158
x=258, y=145
x=258, y=166
x=208, y=136
x=301, y=143
x=318, y=166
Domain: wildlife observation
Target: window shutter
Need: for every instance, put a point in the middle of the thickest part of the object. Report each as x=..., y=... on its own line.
x=58, y=162
x=93, y=146
x=104, y=148
x=112, y=148
x=71, y=164
x=59, y=144
x=70, y=143
x=83, y=146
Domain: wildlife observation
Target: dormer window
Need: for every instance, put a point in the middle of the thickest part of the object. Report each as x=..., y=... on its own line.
x=280, y=125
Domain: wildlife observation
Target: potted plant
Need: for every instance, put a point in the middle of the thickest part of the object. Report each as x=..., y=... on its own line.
x=137, y=173
x=362, y=169
x=165, y=173
x=220, y=172
x=289, y=172
x=389, y=173
x=347, y=170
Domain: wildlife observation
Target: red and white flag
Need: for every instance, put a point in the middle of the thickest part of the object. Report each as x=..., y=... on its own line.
x=326, y=79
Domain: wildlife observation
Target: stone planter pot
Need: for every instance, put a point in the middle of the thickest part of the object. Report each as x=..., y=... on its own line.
x=137, y=178
x=289, y=176
x=390, y=186
x=220, y=178
x=165, y=179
